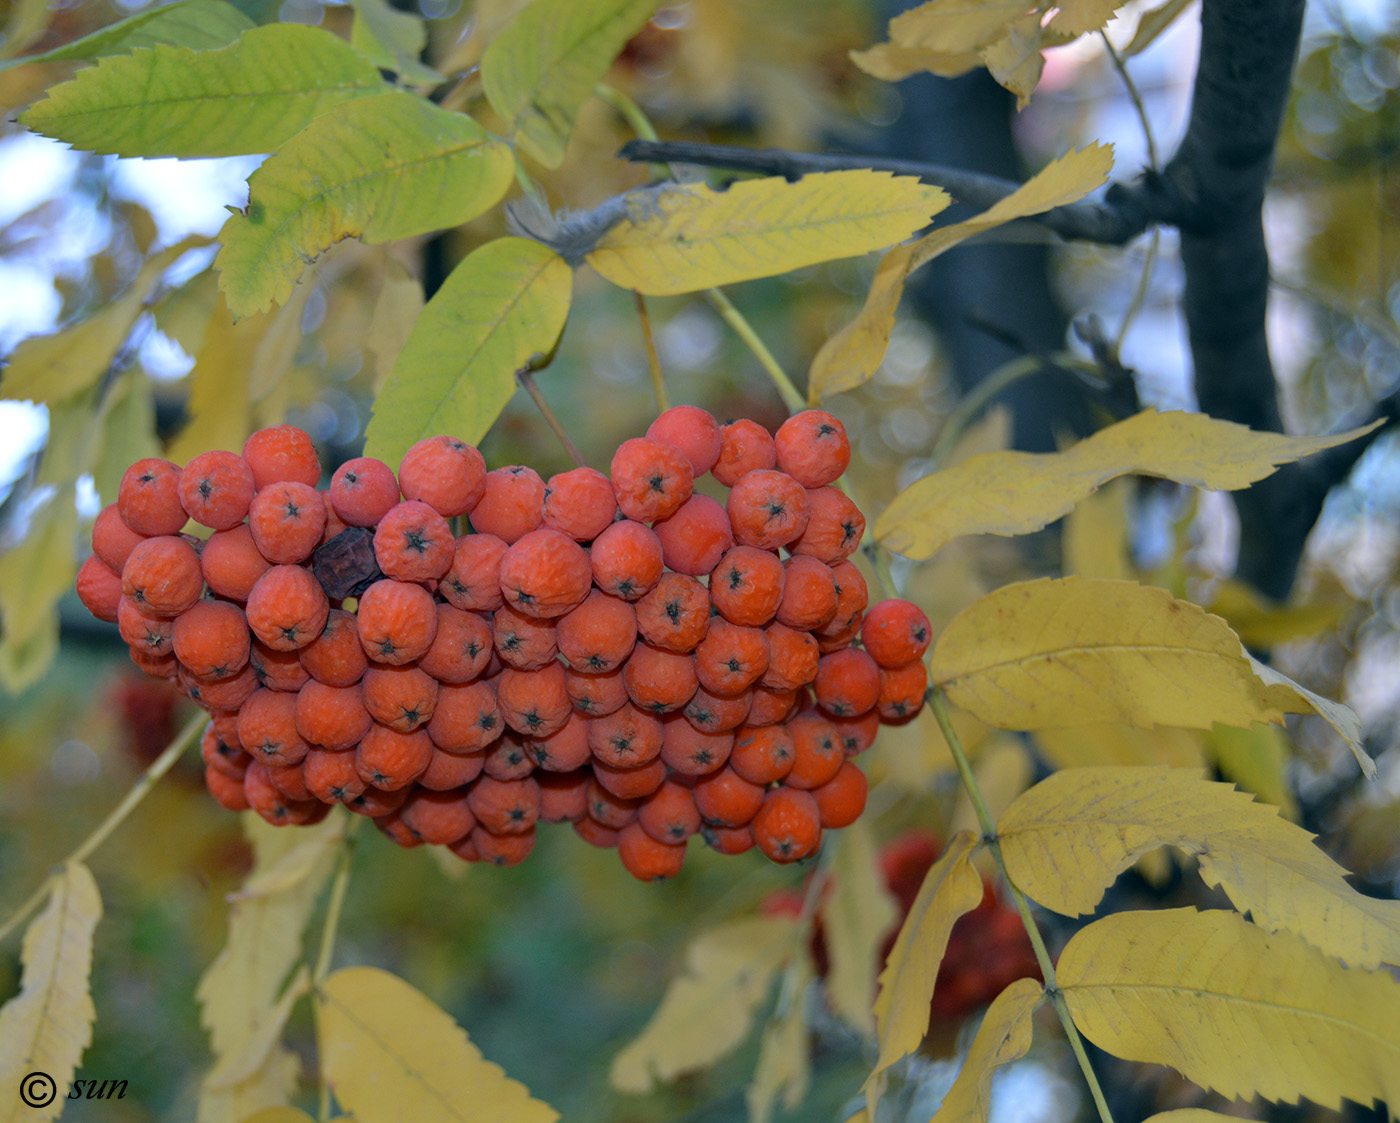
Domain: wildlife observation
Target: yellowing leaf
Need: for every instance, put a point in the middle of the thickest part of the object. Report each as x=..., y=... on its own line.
x=390, y=1054
x=1084, y=745
x=33, y=575
x=1235, y=1009
x=955, y=25
x=1095, y=540
x=1015, y=61
x=1255, y=759
x=545, y=64
x=951, y=888
x=238, y=1068
x=218, y=403
x=378, y=169
x=503, y=305
x=1010, y=493
x=128, y=416
x=46, y=1027
x=396, y=311
x=1343, y=719
x=784, y=1068
x=1075, y=17
x=1004, y=1036
x=392, y=39
x=1152, y=24
x=199, y=24
x=851, y=356
x=1262, y=625
x=1066, y=839
x=246, y=98
x=856, y=915
x=890, y=62
x=708, y=1010
x=686, y=238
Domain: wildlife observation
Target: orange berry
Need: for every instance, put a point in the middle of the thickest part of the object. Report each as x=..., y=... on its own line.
x=812, y=447
x=333, y=717
x=223, y=694
x=745, y=446
x=437, y=818
x=473, y=581
x=264, y=798
x=446, y=473
x=466, y=718
x=282, y=454
x=534, y=702
x=690, y=751
x=788, y=826
x=363, y=491
x=461, y=648
x=447, y=771
x=597, y=635
x=902, y=691
x=596, y=695
x=112, y=539
x=287, y=608
x=670, y=814
x=747, y=586
x=809, y=593
x=335, y=525
x=631, y=783
x=651, y=479
x=767, y=509
x=330, y=776
x=524, y=642
x=818, y=751
x=728, y=840
x=695, y=538
x=692, y=430
x=99, y=588
x=149, y=635
x=847, y=682
x=771, y=706
x=834, y=526
x=857, y=733
x=373, y=803
x=762, y=754
x=563, y=795
x=507, y=758
x=731, y=658
x=287, y=520
x=216, y=489
x=220, y=756
x=164, y=666
x=512, y=504
x=595, y=834
x=608, y=809
x=162, y=575
x=212, y=639
x=675, y=615
x=626, y=738
x=392, y=827
x=505, y=806
x=335, y=657
x=563, y=750
x=267, y=727
x=841, y=799
x=227, y=790
x=726, y=799
x=402, y=697
x=792, y=658
x=713, y=713
x=895, y=632
x=389, y=760
x=658, y=680
x=626, y=560
x=829, y=640
x=852, y=596
x=502, y=849
x=232, y=563
x=148, y=498
x=645, y=858
x=545, y=573
x=414, y=543
x=580, y=503
x=289, y=780
x=397, y=622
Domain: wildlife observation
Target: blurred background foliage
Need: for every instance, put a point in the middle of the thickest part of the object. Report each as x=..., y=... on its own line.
x=552, y=966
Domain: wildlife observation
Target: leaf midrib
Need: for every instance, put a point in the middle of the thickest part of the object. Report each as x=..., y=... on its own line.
x=294, y=91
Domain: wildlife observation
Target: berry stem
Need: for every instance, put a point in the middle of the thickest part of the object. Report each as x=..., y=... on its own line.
x=527, y=379
x=658, y=381
x=339, y=886
x=148, y=779
x=1042, y=954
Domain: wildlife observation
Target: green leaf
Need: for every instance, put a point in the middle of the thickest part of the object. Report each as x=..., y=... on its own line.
x=379, y=169
x=392, y=39
x=504, y=304
x=545, y=64
x=243, y=99
x=198, y=24
x=46, y=1027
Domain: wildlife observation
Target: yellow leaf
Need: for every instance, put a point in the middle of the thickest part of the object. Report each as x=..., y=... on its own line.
x=686, y=238
x=1121, y=744
x=892, y=63
x=45, y=1028
x=279, y=1115
x=955, y=25
x=708, y=1010
x=784, y=1068
x=396, y=310
x=857, y=915
x=853, y=354
x=1256, y=759
x=1152, y=24
x=1343, y=719
x=1233, y=1008
x=1095, y=541
x=1066, y=839
x=1262, y=625
x=1015, y=61
x=238, y=1068
x=35, y=572
x=1075, y=17
x=1010, y=493
x=1004, y=1036
x=951, y=888
x=219, y=404
x=390, y=1054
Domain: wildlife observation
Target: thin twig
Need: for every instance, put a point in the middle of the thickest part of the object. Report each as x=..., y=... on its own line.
x=658, y=380
x=744, y=330
x=527, y=379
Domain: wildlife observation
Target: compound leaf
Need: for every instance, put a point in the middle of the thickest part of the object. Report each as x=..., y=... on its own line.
x=378, y=169
x=1004, y=1036
x=1236, y=1009
x=505, y=303
x=686, y=238
x=243, y=99
x=389, y=1053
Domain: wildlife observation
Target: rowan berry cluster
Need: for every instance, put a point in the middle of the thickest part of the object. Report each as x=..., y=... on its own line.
x=615, y=651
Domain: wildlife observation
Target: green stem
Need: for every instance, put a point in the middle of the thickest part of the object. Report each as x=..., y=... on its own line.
x=339, y=886
x=637, y=120
x=148, y=779
x=744, y=330
x=1042, y=953
x=658, y=380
